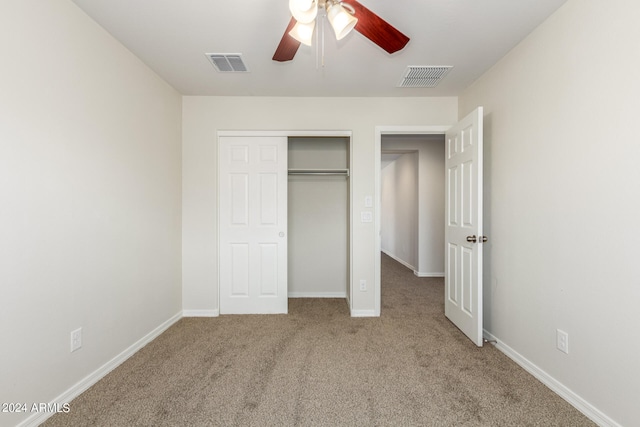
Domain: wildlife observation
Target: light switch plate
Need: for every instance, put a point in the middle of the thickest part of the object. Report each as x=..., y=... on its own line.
x=366, y=216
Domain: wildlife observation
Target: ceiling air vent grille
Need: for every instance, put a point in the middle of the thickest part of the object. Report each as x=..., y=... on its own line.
x=227, y=62
x=424, y=75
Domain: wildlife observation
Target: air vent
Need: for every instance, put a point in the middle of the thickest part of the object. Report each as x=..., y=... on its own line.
x=424, y=75
x=227, y=62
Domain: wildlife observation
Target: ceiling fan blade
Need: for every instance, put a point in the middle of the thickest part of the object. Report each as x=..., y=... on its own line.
x=377, y=29
x=288, y=46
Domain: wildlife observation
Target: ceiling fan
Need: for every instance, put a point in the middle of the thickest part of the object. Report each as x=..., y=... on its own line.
x=343, y=17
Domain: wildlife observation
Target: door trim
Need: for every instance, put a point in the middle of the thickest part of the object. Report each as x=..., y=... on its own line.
x=288, y=134
x=379, y=132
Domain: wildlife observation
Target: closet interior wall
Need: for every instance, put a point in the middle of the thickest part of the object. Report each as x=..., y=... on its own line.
x=318, y=217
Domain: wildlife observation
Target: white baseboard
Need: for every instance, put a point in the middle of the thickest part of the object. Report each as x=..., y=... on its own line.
x=401, y=261
x=417, y=273
x=201, y=313
x=411, y=267
x=38, y=418
x=590, y=411
x=363, y=313
x=317, y=295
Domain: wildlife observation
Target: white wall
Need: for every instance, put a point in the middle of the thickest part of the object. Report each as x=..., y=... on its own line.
x=387, y=205
x=562, y=200
x=429, y=259
x=90, y=199
x=399, y=209
x=202, y=116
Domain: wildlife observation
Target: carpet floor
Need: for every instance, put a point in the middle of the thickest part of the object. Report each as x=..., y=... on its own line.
x=317, y=366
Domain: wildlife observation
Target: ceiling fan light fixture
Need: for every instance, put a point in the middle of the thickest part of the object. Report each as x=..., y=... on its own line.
x=344, y=17
x=304, y=11
x=340, y=16
x=303, y=32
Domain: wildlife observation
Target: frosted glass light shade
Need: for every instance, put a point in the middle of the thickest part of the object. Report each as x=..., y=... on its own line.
x=303, y=32
x=304, y=11
x=341, y=20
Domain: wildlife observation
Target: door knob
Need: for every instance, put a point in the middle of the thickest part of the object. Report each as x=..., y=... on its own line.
x=472, y=239
x=281, y=234
x=483, y=239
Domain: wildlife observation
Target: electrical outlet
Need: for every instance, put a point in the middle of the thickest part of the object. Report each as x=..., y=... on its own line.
x=562, y=341
x=76, y=339
x=363, y=285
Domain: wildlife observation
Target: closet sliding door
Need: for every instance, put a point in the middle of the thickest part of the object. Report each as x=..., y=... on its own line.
x=252, y=174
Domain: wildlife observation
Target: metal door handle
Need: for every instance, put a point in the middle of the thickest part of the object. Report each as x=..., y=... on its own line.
x=483, y=239
x=472, y=239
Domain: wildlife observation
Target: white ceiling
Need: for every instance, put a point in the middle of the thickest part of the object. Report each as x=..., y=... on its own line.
x=172, y=37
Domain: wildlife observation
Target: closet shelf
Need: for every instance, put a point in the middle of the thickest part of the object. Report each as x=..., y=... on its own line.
x=342, y=172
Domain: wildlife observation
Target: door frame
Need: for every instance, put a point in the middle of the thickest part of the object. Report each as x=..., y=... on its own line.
x=379, y=132
x=287, y=134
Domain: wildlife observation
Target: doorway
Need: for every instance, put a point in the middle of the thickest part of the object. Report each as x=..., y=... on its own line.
x=399, y=200
x=425, y=253
x=463, y=217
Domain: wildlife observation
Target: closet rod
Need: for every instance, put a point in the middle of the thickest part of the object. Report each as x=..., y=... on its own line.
x=324, y=172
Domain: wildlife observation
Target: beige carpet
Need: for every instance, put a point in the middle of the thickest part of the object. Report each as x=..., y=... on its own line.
x=318, y=366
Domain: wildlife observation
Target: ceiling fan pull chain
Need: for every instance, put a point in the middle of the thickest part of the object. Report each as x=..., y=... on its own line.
x=323, y=41
x=320, y=43
x=317, y=43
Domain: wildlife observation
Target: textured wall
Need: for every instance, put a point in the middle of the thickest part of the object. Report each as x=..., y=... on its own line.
x=202, y=116
x=561, y=200
x=90, y=199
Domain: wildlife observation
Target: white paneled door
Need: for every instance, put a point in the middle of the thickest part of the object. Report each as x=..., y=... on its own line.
x=252, y=224
x=463, y=229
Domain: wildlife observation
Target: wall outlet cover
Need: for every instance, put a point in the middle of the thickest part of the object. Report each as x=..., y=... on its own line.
x=562, y=341
x=76, y=339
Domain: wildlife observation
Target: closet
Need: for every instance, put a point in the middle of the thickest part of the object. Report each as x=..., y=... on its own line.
x=318, y=217
x=283, y=219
